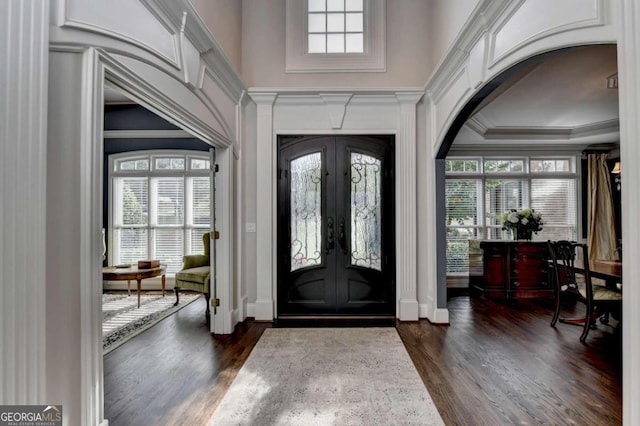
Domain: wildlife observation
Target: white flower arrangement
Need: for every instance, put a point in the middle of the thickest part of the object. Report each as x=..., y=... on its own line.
x=525, y=219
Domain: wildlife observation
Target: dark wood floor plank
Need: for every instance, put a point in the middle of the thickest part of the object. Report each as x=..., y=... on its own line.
x=501, y=363
x=496, y=364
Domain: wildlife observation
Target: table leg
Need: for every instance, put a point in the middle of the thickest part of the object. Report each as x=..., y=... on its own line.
x=139, y=288
x=129, y=287
x=163, y=283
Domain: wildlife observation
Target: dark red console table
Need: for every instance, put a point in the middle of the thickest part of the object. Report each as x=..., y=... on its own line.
x=513, y=269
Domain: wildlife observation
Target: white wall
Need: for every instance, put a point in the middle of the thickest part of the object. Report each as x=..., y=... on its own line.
x=263, y=49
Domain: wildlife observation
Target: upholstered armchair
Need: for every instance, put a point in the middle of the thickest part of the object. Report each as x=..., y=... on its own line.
x=195, y=274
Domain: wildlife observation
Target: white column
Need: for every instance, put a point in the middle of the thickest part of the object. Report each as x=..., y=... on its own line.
x=23, y=143
x=406, y=204
x=265, y=208
x=629, y=95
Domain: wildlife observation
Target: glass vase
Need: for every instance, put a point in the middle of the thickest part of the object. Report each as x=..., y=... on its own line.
x=521, y=233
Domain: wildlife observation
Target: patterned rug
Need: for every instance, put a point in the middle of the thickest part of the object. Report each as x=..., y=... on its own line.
x=122, y=319
x=327, y=376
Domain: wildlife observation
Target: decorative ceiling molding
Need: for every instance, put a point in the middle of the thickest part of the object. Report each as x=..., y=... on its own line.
x=481, y=19
x=318, y=96
x=480, y=126
x=498, y=149
x=182, y=16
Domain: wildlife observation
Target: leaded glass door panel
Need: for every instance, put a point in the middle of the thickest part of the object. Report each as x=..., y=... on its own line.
x=336, y=226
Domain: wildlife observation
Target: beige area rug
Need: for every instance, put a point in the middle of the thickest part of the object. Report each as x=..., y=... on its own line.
x=327, y=376
x=122, y=319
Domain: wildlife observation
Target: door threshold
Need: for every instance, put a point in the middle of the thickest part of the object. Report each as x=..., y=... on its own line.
x=291, y=321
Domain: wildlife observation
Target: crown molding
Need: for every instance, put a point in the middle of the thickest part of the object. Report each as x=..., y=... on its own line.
x=181, y=14
x=319, y=96
x=486, y=13
x=483, y=128
x=562, y=133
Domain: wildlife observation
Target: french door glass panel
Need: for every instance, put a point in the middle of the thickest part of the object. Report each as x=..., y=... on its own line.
x=366, y=197
x=306, y=211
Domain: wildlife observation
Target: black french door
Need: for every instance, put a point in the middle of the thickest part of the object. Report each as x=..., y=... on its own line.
x=336, y=226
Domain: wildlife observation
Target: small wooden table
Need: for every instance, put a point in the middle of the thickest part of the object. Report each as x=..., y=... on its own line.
x=113, y=273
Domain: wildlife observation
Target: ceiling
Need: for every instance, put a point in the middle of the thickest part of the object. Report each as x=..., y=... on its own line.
x=561, y=100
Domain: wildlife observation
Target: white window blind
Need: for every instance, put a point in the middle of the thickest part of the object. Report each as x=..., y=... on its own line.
x=160, y=207
x=478, y=191
x=462, y=198
x=557, y=199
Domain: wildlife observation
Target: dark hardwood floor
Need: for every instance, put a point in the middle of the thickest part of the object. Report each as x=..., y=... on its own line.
x=496, y=364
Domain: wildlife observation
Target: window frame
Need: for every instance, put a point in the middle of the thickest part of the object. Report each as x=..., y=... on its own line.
x=372, y=60
x=187, y=174
x=484, y=228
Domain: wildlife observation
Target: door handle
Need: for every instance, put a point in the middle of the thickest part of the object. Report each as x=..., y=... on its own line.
x=342, y=237
x=330, y=238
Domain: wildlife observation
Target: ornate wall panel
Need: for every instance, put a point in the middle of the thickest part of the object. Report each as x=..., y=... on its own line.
x=127, y=20
x=531, y=21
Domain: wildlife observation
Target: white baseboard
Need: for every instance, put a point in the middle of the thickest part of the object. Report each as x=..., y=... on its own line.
x=440, y=316
x=242, y=309
x=263, y=310
x=408, y=310
x=251, y=310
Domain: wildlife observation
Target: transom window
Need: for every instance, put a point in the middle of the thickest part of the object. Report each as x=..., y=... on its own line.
x=335, y=36
x=160, y=206
x=479, y=190
x=335, y=26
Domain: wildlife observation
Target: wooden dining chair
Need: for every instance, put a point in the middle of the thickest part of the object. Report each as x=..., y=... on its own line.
x=570, y=279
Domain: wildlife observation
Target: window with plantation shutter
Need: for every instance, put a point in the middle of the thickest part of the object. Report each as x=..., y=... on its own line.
x=160, y=206
x=479, y=190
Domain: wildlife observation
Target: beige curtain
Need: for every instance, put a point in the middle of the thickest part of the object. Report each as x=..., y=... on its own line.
x=601, y=238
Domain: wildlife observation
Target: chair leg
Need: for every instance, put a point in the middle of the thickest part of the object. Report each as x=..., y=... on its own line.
x=207, y=313
x=588, y=320
x=556, y=313
x=177, y=291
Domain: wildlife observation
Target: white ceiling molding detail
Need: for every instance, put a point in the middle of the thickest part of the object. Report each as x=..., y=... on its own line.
x=182, y=14
x=336, y=107
x=123, y=79
x=486, y=13
x=603, y=128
